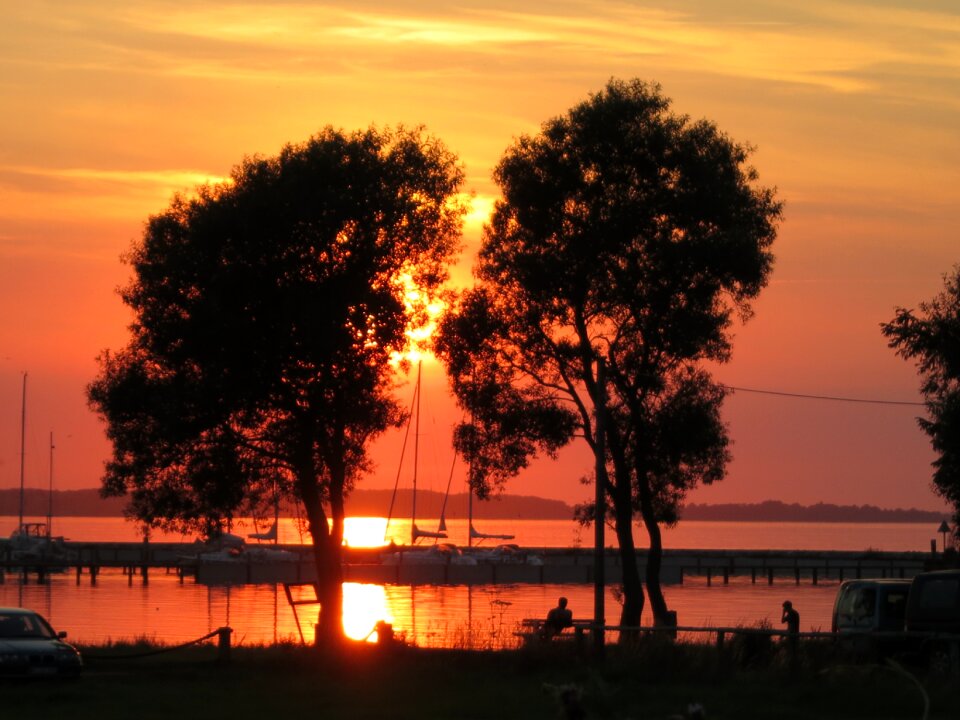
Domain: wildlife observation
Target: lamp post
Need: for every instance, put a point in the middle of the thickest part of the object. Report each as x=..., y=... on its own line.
x=600, y=505
x=943, y=530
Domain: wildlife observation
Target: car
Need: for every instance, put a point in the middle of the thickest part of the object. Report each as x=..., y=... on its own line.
x=933, y=609
x=29, y=647
x=869, y=614
x=870, y=605
x=934, y=603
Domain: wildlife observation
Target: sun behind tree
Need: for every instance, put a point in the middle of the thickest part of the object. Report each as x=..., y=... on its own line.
x=267, y=311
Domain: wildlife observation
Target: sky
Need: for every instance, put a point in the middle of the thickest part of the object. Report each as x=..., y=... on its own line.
x=109, y=108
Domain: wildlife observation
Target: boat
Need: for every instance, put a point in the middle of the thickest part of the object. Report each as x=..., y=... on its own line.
x=416, y=533
x=270, y=534
x=441, y=533
x=34, y=542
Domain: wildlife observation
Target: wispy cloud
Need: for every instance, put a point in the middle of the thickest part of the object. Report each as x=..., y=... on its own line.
x=163, y=178
x=37, y=192
x=823, y=44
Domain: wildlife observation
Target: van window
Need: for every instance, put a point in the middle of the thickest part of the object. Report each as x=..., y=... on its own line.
x=895, y=605
x=857, y=608
x=939, y=593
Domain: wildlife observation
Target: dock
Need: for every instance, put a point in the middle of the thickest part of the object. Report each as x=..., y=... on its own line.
x=408, y=566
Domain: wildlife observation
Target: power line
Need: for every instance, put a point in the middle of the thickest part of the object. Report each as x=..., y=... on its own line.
x=832, y=398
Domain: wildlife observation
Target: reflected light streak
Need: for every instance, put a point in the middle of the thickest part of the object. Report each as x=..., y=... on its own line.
x=363, y=607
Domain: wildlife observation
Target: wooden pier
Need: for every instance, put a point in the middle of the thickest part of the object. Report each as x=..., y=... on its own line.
x=405, y=566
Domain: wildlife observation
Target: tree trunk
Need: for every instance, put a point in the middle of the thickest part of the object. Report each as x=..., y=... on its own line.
x=658, y=604
x=329, y=593
x=632, y=586
x=327, y=560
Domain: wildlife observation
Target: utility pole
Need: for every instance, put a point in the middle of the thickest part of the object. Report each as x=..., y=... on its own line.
x=23, y=446
x=600, y=505
x=50, y=494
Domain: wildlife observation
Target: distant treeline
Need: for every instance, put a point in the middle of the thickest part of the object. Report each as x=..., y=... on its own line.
x=776, y=511
x=376, y=503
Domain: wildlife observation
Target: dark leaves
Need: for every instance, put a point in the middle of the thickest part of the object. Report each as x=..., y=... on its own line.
x=266, y=311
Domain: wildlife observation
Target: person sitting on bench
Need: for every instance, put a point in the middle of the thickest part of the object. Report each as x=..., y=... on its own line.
x=558, y=619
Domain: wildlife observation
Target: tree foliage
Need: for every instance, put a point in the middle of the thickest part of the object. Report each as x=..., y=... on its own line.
x=266, y=311
x=628, y=234
x=930, y=336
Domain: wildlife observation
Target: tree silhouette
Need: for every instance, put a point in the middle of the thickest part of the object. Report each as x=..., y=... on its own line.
x=266, y=311
x=629, y=234
x=931, y=337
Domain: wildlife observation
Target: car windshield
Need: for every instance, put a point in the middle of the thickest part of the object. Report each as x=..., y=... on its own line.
x=24, y=626
x=857, y=606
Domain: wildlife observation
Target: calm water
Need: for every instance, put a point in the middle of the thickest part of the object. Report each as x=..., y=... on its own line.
x=553, y=533
x=484, y=616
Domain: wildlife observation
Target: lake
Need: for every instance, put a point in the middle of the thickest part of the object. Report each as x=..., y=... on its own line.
x=443, y=616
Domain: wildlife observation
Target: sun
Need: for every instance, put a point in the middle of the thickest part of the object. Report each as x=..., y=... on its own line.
x=361, y=532
x=423, y=312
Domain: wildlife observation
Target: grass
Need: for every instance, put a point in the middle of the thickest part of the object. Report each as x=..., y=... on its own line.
x=656, y=679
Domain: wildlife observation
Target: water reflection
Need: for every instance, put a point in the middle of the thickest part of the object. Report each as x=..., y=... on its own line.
x=363, y=607
x=484, y=616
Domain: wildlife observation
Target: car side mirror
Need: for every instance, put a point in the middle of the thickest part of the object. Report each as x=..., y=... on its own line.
x=62, y=634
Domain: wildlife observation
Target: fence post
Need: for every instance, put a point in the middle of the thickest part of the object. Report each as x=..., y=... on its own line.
x=223, y=644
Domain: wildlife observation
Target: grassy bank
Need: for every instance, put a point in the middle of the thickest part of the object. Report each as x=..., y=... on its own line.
x=658, y=680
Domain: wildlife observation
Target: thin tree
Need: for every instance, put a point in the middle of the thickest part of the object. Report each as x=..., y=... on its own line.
x=930, y=336
x=266, y=312
x=625, y=233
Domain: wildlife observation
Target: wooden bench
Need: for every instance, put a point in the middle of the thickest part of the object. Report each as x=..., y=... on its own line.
x=532, y=631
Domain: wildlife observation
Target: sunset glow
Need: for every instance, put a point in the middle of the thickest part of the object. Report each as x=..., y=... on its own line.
x=362, y=532
x=852, y=108
x=419, y=305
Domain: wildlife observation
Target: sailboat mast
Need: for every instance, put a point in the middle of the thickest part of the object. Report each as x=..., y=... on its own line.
x=416, y=456
x=23, y=445
x=470, y=506
x=50, y=504
x=276, y=512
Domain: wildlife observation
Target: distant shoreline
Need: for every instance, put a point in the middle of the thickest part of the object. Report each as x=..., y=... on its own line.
x=366, y=502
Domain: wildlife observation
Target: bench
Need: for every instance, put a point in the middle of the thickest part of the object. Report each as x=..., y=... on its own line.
x=532, y=631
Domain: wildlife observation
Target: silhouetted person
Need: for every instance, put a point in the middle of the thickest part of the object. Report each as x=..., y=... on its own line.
x=792, y=618
x=558, y=619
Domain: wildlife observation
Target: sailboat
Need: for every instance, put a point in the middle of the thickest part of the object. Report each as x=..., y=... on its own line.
x=474, y=534
x=34, y=541
x=415, y=532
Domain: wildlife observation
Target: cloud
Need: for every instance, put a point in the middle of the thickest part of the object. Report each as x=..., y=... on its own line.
x=831, y=46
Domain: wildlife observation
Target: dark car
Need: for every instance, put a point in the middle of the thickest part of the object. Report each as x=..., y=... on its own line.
x=29, y=647
x=870, y=605
x=865, y=614
x=933, y=608
x=934, y=603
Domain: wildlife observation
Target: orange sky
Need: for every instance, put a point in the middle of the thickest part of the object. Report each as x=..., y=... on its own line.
x=109, y=108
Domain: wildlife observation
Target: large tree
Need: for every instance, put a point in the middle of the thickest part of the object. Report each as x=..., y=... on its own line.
x=627, y=234
x=930, y=336
x=266, y=312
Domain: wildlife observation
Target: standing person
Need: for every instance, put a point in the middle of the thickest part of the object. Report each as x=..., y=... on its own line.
x=792, y=618
x=558, y=619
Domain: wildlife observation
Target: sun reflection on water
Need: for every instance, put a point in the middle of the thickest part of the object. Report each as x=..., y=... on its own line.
x=363, y=607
